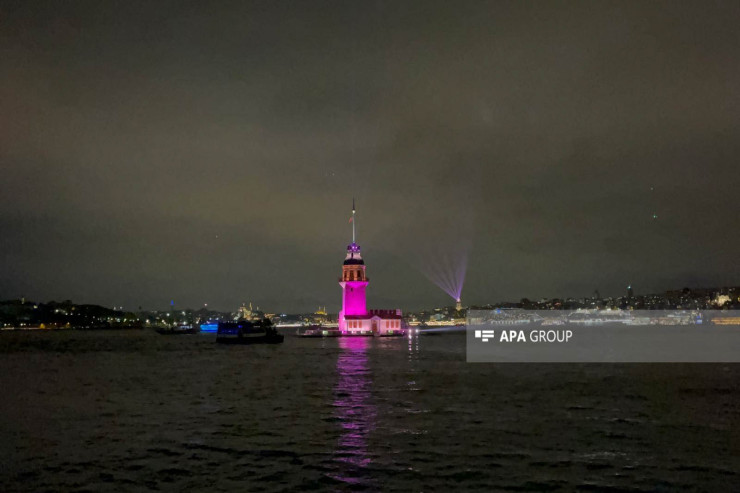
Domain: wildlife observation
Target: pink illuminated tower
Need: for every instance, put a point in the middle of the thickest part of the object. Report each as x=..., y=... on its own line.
x=355, y=319
x=353, y=282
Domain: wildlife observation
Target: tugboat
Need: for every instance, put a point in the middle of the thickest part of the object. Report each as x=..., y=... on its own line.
x=248, y=332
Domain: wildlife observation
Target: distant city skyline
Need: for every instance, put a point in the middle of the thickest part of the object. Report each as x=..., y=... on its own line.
x=157, y=151
x=711, y=296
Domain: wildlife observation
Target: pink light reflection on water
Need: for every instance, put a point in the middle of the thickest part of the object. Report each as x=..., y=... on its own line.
x=354, y=409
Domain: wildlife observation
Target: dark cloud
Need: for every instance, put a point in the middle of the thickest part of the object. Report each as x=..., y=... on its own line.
x=209, y=153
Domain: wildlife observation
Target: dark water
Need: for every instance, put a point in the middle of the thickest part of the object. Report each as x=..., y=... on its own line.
x=123, y=411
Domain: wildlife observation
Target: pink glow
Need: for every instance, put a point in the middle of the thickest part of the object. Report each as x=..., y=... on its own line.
x=354, y=283
x=354, y=302
x=354, y=409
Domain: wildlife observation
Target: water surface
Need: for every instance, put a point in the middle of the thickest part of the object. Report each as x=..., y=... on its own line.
x=133, y=410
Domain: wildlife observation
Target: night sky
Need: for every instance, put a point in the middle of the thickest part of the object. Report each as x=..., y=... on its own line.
x=209, y=152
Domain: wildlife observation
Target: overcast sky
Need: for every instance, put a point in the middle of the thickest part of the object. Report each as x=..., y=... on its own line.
x=208, y=152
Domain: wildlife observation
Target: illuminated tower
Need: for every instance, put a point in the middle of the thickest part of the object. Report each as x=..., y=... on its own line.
x=353, y=281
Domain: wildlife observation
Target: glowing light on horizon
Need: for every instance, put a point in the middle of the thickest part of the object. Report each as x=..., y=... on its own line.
x=438, y=245
x=447, y=271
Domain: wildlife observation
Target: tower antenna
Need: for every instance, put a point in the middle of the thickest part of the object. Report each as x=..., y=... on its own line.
x=353, y=219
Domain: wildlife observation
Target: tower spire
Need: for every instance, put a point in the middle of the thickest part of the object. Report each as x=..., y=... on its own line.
x=353, y=219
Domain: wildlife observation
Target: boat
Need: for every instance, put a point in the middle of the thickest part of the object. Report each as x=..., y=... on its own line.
x=177, y=330
x=311, y=331
x=248, y=332
x=318, y=331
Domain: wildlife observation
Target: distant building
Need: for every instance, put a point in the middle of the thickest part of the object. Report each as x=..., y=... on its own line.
x=319, y=317
x=248, y=312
